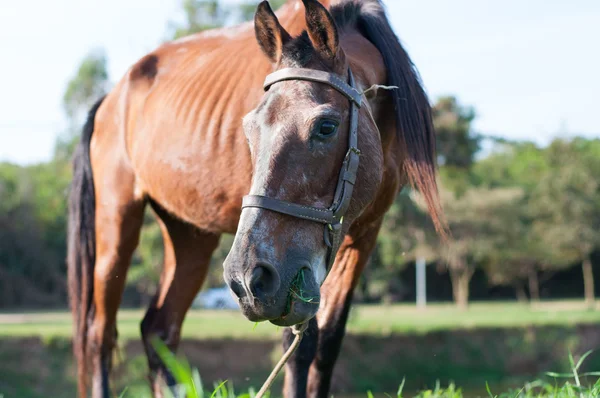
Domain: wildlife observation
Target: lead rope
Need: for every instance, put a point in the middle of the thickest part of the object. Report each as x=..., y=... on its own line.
x=298, y=330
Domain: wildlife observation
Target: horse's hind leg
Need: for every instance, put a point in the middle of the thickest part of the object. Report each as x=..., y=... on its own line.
x=187, y=255
x=119, y=216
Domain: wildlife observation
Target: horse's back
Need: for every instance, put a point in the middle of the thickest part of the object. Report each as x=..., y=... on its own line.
x=175, y=119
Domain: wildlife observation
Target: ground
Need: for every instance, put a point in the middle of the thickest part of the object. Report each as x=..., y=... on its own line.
x=504, y=344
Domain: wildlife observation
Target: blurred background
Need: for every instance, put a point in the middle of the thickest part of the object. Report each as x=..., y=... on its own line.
x=514, y=88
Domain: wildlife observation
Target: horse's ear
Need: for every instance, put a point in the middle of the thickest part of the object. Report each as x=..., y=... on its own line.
x=271, y=36
x=321, y=29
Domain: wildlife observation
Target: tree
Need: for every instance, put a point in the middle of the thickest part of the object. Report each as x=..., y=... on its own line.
x=406, y=233
x=34, y=216
x=517, y=255
x=203, y=15
x=86, y=87
x=475, y=218
x=402, y=232
x=511, y=163
x=31, y=252
x=248, y=8
x=457, y=146
x=456, y=142
x=567, y=203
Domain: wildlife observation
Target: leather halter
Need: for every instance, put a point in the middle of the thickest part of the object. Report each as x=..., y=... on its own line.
x=333, y=216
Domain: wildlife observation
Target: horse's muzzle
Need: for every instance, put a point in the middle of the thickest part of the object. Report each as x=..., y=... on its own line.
x=265, y=296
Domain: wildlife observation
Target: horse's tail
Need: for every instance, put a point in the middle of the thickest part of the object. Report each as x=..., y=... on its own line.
x=81, y=252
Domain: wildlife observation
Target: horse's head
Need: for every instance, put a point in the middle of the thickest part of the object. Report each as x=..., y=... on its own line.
x=311, y=178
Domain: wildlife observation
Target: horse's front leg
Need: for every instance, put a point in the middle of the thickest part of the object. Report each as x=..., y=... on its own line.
x=296, y=369
x=309, y=371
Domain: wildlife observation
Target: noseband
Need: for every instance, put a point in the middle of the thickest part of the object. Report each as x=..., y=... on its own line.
x=333, y=216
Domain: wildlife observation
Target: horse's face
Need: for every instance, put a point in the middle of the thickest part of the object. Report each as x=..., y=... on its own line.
x=298, y=138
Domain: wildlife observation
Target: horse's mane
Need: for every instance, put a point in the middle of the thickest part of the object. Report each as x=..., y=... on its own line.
x=415, y=131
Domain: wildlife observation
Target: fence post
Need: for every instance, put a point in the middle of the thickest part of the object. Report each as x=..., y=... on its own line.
x=421, y=283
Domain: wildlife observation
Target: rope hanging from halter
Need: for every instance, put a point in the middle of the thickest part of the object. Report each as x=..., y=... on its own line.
x=298, y=330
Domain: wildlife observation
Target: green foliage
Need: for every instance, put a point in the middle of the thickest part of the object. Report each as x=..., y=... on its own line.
x=86, y=87
x=146, y=265
x=32, y=235
x=248, y=8
x=456, y=143
x=511, y=164
x=566, y=202
x=201, y=15
x=190, y=384
x=490, y=342
x=520, y=211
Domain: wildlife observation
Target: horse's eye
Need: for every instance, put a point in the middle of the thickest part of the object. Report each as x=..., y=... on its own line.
x=328, y=128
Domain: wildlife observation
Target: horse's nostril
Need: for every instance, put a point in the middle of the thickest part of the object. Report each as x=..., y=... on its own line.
x=264, y=281
x=237, y=289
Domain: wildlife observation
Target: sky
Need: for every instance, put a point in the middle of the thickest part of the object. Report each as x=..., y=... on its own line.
x=529, y=68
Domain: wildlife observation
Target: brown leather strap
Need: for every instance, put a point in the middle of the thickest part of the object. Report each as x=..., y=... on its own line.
x=315, y=76
x=347, y=179
x=305, y=212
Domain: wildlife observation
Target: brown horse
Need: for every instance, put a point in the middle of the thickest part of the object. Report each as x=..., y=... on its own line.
x=190, y=130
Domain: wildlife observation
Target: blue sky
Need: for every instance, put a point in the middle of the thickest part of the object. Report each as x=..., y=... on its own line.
x=530, y=68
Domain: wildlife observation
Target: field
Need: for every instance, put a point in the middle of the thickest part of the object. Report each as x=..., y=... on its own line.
x=504, y=344
x=364, y=319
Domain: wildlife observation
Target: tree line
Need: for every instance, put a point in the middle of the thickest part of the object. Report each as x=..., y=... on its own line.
x=517, y=211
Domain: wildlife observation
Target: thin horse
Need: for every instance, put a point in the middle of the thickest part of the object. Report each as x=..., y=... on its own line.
x=191, y=130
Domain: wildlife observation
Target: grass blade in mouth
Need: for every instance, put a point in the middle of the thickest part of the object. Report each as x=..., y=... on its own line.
x=296, y=289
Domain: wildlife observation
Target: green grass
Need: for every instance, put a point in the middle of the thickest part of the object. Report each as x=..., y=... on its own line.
x=364, y=319
x=568, y=385
x=388, y=343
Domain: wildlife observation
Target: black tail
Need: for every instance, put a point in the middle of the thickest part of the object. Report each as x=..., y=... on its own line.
x=81, y=252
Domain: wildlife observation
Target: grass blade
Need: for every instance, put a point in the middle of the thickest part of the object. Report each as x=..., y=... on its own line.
x=197, y=380
x=401, y=388
x=591, y=374
x=180, y=369
x=571, y=360
x=583, y=357
x=489, y=391
x=559, y=375
x=218, y=389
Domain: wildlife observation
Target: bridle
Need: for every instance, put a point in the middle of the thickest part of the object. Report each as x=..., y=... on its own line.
x=333, y=216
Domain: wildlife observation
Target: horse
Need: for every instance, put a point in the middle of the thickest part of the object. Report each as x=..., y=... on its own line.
x=277, y=130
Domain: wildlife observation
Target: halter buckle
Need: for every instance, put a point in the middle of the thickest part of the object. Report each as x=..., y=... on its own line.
x=330, y=230
x=337, y=226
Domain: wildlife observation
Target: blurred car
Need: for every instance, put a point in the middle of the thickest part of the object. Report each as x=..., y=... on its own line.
x=216, y=298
